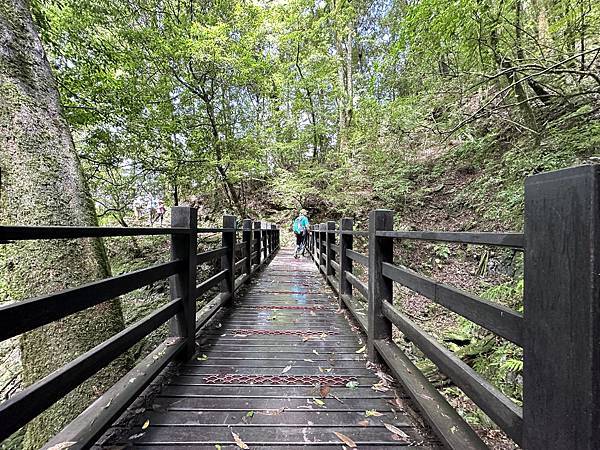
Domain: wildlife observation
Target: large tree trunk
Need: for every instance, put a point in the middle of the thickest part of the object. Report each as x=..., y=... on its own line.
x=42, y=183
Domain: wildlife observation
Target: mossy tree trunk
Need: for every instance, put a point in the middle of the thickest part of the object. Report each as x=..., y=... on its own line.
x=42, y=183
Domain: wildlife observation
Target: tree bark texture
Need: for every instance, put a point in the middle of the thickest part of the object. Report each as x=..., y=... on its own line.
x=42, y=184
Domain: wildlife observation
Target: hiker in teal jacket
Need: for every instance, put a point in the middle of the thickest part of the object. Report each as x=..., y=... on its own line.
x=301, y=231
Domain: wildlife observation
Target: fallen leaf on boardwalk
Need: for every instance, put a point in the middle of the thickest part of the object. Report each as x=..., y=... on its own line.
x=373, y=413
x=271, y=412
x=286, y=369
x=250, y=414
x=108, y=404
x=345, y=439
x=238, y=441
x=312, y=313
x=308, y=360
x=363, y=423
x=339, y=311
x=63, y=445
x=202, y=358
x=380, y=387
x=318, y=402
x=361, y=350
x=218, y=446
x=396, y=431
x=305, y=338
x=324, y=391
x=337, y=398
x=316, y=352
x=146, y=424
x=135, y=436
x=352, y=385
x=240, y=335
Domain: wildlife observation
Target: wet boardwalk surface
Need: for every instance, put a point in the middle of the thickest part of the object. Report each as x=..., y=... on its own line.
x=279, y=368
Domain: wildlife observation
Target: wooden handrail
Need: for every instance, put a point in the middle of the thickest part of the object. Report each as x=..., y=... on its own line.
x=559, y=332
x=20, y=317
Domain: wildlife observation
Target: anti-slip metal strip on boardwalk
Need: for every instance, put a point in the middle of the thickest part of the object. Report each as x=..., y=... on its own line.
x=284, y=307
x=288, y=292
x=245, y=331
x=331, y=380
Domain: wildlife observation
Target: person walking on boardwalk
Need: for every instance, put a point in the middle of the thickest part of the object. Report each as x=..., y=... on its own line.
x=300, y=228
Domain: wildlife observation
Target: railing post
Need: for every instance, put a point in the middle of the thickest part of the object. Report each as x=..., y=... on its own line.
x=561, y=380
x=329, y=239
x=346, y=240
x=228, y=260
x=247, y=237
x=321, y=244
x=272, y=239
x=268, y=239
x=263, y=230
x=318, y=245
x=381, y=249
x=257, y=238
x=183, y=285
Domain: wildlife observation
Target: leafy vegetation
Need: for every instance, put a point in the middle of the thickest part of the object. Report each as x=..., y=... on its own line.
x=435, y=109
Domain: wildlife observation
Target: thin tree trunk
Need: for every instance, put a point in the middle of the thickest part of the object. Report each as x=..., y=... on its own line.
x=42, y=183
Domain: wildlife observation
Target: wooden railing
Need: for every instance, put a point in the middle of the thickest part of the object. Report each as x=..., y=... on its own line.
x=559, y=331
x=258, y=245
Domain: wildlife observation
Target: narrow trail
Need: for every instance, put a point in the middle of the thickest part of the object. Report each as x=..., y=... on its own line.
x=281, y=368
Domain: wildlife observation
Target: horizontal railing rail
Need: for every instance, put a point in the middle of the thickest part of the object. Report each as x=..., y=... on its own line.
x=558, y=332
x=23, y=316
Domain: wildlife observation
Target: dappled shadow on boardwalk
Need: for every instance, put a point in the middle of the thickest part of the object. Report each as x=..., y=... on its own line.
x=280, y=368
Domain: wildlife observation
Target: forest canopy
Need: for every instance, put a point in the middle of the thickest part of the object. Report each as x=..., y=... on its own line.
x=435, y=109
x=318, y=103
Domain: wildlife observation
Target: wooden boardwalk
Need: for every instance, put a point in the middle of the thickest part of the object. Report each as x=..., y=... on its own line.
x=280, y=368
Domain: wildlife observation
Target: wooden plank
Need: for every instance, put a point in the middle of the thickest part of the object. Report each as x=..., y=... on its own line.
x=497, y=318
x=205, y=286
x=345, y=265
x=240, y=264
x=513, y=240
x=210, y=309
x=21, y=233
x=183, y=284
x=22, y=407
x=494, y=403
x=274, y=436
x=356, y=233
x=335, y=248
x=210, y=255
x=239, y=281
x=26, y=315
x=359, y=285
x=335, y=266
x=98, y=417
x=358, y=257
x=258, y=238
x=359, y=315
x=452, y=430
x=228, y=260
x=562, y=310
x=381, y=289
x=247, y=239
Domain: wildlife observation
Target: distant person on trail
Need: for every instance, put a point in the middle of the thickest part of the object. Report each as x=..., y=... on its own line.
x=138, y=207
x=151, y=208
x=160, y=212
x=300, y=228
